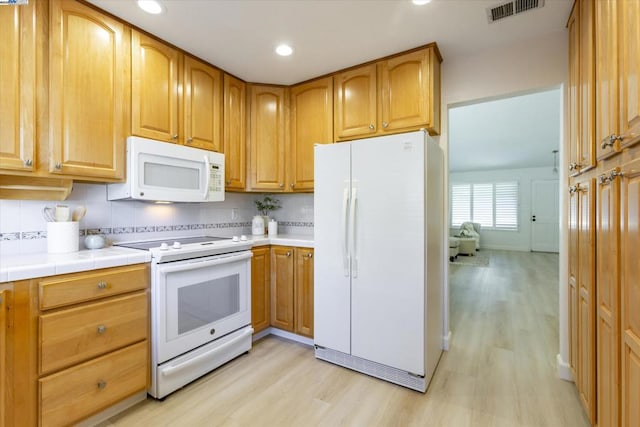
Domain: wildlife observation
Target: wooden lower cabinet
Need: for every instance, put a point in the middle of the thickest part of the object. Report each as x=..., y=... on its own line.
x=292, y=289
x=4, y=360
x=260, y=289
x=73, y=354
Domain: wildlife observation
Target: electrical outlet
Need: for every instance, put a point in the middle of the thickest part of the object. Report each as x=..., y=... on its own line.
x=234, y=213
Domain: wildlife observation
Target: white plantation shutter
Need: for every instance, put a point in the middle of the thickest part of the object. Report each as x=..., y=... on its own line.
x=483, y=204
x=507, y=205
x=460, y=204
x=493, y=205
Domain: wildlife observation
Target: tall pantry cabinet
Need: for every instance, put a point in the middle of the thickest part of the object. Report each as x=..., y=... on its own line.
x=606, y=85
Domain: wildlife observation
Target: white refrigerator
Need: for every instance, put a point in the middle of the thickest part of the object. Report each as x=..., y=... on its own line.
x=378, y=218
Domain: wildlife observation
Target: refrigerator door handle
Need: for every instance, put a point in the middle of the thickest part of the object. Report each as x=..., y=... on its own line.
x=352, y=224
x=345, y=236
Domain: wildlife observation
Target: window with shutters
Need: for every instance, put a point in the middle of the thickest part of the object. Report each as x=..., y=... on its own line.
x=494, y=204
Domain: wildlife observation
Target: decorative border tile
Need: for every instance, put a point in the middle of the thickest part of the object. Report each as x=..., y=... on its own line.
x=295, y=224
x=196, y=226
x=10, y=236
x=123, y=230
x=181, y=227
x=164, y=227
x=91, y=231
x=146, y=229
x=33, y=235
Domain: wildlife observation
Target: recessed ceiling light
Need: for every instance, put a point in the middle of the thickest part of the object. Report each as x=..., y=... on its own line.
x=420, y=2
x=284, y=50
x=151, y=6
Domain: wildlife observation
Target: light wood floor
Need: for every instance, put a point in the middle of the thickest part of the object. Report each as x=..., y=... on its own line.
x=500, y=370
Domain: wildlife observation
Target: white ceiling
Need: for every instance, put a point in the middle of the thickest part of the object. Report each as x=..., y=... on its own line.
x=511, y=133
x=239, y=35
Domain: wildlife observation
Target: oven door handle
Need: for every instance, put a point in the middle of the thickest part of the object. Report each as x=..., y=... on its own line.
x=171, y=370
x=171, y=268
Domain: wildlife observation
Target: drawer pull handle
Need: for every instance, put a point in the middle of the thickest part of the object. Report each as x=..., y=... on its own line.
x=102, y=329
x=102, y=285
x=102, y=384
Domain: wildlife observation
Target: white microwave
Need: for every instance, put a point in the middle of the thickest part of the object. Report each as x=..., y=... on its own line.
x=161, y=171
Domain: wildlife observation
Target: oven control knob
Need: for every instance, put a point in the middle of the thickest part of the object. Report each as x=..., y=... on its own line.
x=164, y=246
x=177, y=245
x=235, y=239
x=243, y=238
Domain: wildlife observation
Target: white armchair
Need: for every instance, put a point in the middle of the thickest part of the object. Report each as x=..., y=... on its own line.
x=469, y=238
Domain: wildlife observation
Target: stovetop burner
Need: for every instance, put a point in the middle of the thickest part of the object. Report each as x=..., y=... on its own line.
x=148, y=244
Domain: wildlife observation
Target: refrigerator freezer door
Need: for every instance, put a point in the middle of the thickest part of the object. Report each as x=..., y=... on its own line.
x=332, y=291
x=388, y=292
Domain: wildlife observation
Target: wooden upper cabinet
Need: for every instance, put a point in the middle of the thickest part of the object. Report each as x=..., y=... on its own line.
x=607, y=95
x=17, y=86
x=303, y=292
x=156, y=70
x=267, y=137
x=410, y=92
x=311, y=123
x=202, y=105
x=282, y=287
x=355, y=102
x=573, y=90
x=629, y=244
x=88, y=91
x=234, y=134
x=629, y=72
x=586, y=156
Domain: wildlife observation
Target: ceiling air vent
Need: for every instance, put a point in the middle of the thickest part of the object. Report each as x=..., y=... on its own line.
x=510, y=8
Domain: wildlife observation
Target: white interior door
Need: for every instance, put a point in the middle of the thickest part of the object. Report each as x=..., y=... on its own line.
x=545, y=216
x=332, y=291
x=387, y=285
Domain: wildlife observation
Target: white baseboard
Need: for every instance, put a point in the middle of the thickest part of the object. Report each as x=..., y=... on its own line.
x=446, y=341
x=564, y=369
x=505, y=248
x=283, y=334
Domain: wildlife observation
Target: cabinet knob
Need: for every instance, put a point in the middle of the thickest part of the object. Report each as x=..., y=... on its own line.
x=102, y=285
x=102, y=384
x=28, y=162
x=310, y=255
x=58, y=166
x=371, y=126
x=385, y=125
x=228, y=182
x=175, y=137
x=289, y=253
x=189, y=140
x=281, y=185
x=291, y=186
x=102, y=329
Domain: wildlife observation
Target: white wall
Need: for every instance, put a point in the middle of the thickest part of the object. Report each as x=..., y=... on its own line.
x=517, y=68
x=22, y=228
x=517, y=240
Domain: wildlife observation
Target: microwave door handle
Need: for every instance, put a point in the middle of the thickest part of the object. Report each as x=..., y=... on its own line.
x=202, y=264
x=207, y=165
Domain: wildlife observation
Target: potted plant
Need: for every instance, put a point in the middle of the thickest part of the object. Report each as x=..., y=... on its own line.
x=265, y=206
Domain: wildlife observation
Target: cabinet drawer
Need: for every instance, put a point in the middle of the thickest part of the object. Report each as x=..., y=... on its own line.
x=74, y=288
x=76, y=393
x=79, y=333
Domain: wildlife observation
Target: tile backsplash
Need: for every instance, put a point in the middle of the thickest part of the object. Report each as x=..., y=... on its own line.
x=23, y=229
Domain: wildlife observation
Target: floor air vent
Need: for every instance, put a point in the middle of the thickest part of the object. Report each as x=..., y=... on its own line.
x=514, y=7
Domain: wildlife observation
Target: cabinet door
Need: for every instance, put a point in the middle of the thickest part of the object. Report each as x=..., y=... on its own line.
x=155, y=69
x=282, y=278
x=586, y=158
x=234, y=133
x=573, y=86
x=630, y=242
x=607, y=120
x=608, y=306
x=4, y=359
x=407, y=86
x=17, y=86
x=267, y=141
x=630, y=71
x=586, y=370
x=355, y=103
x=202, y=105
x=89, y=79
x=573, y=281
x=304, y=292
x=311, y=123
x=260, y=289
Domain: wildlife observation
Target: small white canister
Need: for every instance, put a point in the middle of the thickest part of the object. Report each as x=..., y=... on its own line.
x=63, y=237
x=257, y=226
x=273, y=228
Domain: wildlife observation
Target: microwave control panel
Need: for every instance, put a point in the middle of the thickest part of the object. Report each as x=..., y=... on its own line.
x=216, y=178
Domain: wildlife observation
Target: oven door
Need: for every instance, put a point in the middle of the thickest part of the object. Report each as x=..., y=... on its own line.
x=198, y=301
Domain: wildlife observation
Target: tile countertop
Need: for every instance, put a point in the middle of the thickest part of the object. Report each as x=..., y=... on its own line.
x=29, y=266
